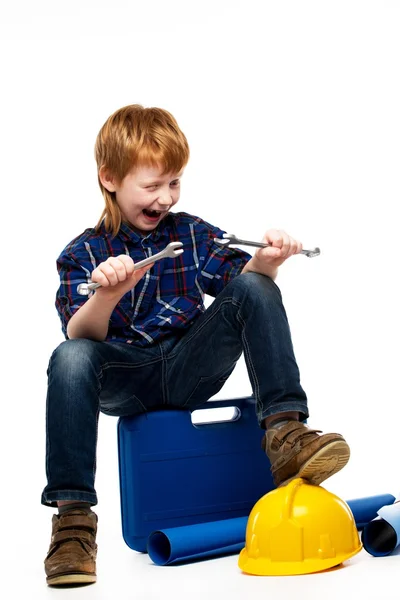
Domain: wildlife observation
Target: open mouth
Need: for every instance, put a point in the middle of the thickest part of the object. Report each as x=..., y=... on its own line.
x=153, y=215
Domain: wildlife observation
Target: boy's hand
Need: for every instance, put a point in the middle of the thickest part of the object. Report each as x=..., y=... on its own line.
x=117, y=276
x=267, y=260
x=282, y=247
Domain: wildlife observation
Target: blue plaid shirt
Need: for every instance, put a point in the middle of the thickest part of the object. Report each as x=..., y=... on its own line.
x=170, y=296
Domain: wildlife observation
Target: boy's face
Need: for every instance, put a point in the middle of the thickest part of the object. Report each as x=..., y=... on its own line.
x=145, y=196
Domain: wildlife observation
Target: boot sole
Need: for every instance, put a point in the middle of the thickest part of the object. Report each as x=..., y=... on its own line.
x=326, y=462
x=71, y=578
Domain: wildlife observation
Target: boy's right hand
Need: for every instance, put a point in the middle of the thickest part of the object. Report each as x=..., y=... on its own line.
x=117, y=276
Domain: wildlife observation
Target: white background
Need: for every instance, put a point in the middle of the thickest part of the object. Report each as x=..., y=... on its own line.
x=291, y=109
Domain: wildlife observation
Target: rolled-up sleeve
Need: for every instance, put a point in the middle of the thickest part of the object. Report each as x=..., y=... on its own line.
x=71, y=274
x=75, y=265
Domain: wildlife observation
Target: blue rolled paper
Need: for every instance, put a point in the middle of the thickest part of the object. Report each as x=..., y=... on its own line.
x=366, y=509
x=382, y=535
x=205, y=540
x=193, y=542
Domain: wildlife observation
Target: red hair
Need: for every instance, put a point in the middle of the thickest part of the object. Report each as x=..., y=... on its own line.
x=132, y=137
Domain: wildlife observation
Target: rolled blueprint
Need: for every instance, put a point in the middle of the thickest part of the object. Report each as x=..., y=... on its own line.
x=382, y=535
x=366, y=509
x=194, y=542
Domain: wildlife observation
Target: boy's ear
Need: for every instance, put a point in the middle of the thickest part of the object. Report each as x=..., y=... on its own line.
x=107, y=179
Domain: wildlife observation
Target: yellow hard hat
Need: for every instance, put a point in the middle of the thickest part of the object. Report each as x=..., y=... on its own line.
x=298, y=528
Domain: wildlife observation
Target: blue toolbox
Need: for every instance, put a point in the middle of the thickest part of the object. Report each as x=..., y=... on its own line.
x=177, y=468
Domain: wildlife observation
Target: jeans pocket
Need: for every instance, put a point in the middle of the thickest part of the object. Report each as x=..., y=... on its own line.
x=206, y=388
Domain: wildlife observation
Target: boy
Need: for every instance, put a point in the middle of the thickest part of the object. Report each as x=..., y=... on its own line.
x=131, y=345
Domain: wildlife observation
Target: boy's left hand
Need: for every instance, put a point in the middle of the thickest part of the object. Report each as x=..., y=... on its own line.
x=282, y=246
x=267, y=260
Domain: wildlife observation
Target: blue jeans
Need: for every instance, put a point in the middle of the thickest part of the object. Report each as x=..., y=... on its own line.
x=85, y=377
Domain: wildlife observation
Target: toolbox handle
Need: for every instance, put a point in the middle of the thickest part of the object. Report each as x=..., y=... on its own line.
x=211, y=416
x=220, y=411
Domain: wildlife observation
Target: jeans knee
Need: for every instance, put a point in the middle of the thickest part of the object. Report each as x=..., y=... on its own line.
x=73, y=355
x=257, y=286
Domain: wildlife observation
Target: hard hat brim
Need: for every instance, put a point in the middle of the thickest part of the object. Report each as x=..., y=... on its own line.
x=265, y=566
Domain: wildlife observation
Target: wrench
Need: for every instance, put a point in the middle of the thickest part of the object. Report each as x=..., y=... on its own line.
x=229, y=239
x=171, y=251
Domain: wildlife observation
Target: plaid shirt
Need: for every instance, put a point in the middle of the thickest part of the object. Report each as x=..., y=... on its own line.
x=170, y=296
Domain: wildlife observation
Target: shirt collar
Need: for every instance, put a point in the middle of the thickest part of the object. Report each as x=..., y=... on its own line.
x=128, y=234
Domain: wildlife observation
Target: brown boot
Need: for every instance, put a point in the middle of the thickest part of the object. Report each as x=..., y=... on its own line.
x=295, y=450
x=72, y=553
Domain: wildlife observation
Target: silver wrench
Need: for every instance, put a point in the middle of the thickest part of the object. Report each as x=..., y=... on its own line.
x=173, y=250
x=229, y=239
